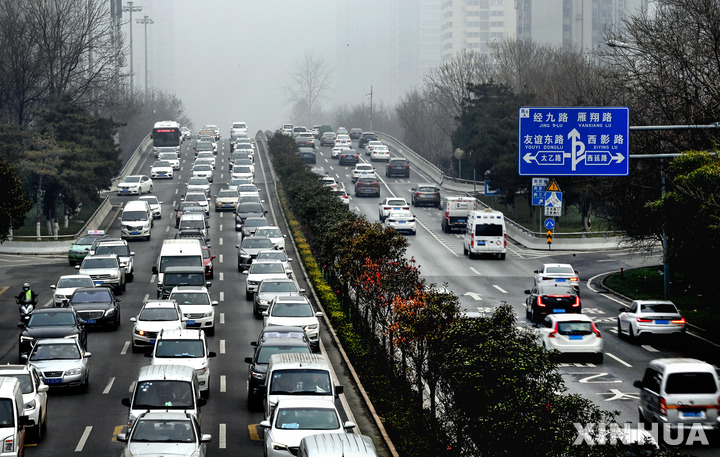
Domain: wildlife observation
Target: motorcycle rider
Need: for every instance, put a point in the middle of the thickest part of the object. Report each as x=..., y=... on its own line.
x=27, y=295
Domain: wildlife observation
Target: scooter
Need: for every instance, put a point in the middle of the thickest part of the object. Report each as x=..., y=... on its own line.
x=26, y=309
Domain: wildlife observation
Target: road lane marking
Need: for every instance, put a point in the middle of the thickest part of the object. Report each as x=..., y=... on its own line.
x=222, y=437
x=4, y=289
x=474, y=295
x=132, y=387
x=223, y=385
x=649, y=348
x=499, y=288
x=125, y=348
x=589, y=379
x=167, y=229
x=109, y=385
x=146, y=297
x=475, y=271
x=220, y=240
x=617, y=395
x=618, y=359
x=222, y=346
x=253, y=430
x=222, y=318
x=117, y=430
x=83, y=439
x=221, y=258
x=222, y=296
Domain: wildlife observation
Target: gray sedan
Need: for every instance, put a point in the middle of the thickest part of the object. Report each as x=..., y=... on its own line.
x=61, y=362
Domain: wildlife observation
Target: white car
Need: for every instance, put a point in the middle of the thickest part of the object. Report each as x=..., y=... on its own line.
x=66, y=285
x=650, y=317
x=185, y=347
x=337, y=150
x=171, y=157
x=571, y=333
x=154, y=316
x=259, y=271
x=362, y=170
x=273, y=232
x=342, y=195
x=247, y=190
x=198, y=184
x=294, y=312
x=402, y=221
x=275, y=254
x=226, y=200
x=161, y=169
x=34, y=393
x=560, y=273
x=235, y=182
x=329, y=181
x=155, y=205
x=242, y=171
x=196, y=306
x=391, y=204
x=171, y=432
x=294, y=419
x=380, y=152
x=205, y=155
x=135, y=184
x=343, y=143
x=203, y=170
x=371, y=145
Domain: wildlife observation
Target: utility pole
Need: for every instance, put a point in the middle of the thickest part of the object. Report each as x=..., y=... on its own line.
x=371, y=106
x=146, y=20
x=129, y=8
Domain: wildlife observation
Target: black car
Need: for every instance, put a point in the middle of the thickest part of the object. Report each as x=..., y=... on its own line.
x=97, y=306
x=348, y=157
x=251, y=224
x=397, y=167
x=247, y=209
x=50, y=323
x=248, y=250
x=355, y=133
x=551, y=298
x=365, y=137
x=258, y=363
x=308, y=155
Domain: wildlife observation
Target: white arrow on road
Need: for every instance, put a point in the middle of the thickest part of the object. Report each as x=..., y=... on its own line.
x=474, y=295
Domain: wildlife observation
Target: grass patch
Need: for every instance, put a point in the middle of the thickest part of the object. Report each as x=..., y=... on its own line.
x=647, y=283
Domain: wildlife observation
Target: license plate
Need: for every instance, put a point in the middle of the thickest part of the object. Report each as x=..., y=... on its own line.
x=662, y=321
x=91, y=321
x=53, y=380
x=462, y=221
x=98, y=283
x=560, y=280
x=397, y=209
x=134, y=232
x=575, y=337
x=481, y=243
x=124, y=191
x=190, y=322
x=401, y=222
x=152, y=341
x=559, y=310
x=691, y=413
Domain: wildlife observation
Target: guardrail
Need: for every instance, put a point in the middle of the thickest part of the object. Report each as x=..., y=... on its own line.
x=103, y=209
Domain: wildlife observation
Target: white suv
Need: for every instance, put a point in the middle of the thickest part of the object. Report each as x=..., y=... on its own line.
x=122, y=250
x=34, y=393
x=362, y=170
x=154, y=316
x=196, y=306
x=185, y=347
x=294, y=311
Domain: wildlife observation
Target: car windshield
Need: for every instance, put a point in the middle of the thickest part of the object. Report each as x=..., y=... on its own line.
x=158, y=314
x=120, y=250
x=427, y=189
x=247, y=188
x=277, y=286
x=167, y=156
x=242, y=169
x=101, y=295
x=266, y=268
x=85, y=240
x=51, y=319
x=559, y=269
x=161, y=163
x=276, y=255
x=195, y=197
x=256, y=243
x=129, y=216
x=55, y=351
x=269, y=232
x=90, y=263
x=151, y=200
x=198, y=181
x=574, y=328
x=163, y=394
x=190, y=298
x=26, y=384
x=249, y=207
x=266, y=350
x=132, y=179
x=163, y=431
x=252, y=222
x=300, y=381
x=66, y=283
x=227, y=194
x=292, y=310
x=691, y=383
x=202, y=167
x=179, y=349
x=658, y=308
x=184, y=279
x=307, y=419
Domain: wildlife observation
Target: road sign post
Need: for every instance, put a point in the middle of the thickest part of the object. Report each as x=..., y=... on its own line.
x=574, y=141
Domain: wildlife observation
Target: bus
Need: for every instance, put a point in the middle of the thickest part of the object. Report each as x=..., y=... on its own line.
x=166, y=134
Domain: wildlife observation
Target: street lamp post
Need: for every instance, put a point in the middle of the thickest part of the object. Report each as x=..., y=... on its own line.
x=371, y=107
x=129, y=8
x=145, y=21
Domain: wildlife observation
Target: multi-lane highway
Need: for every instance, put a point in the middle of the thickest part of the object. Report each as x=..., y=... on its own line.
x=85, y=424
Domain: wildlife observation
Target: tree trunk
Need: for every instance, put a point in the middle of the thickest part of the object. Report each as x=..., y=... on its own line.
x=585, y=208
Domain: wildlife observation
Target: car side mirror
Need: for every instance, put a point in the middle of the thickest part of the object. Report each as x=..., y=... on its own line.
x=154, y=270
x=527, y=291
x=212, y=354
x=20, y=325
x=622, y=310
x=201, y=402
x=537, y=271
x=638, y=384
x=208, y=284
x=149, y=354
x=248, y=359
x=125, y=402
x=43, y=387
x=338, y=389
x=122, y=437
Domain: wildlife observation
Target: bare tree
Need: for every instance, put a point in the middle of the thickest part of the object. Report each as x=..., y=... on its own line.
x=308, y=85
x=418, y=116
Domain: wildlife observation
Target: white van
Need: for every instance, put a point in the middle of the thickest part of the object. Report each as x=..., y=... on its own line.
x=183, y=252
x=336, y=445
x=12, y=421
x=294, y=375
x=485, y=234
x=455, y=212
x=136, y=220
x=165, y=388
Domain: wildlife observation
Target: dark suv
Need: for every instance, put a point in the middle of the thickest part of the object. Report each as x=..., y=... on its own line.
x=355, y=133
x=367, y=186
x=551, y=298
x=365, y=137
x=425, y=194
x=397, y=167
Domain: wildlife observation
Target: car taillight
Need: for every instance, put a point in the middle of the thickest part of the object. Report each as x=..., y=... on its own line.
x=540, y=302
x=577, y=302
x=663, y=406
x=640, y=319
x=678, y=321
x=574, y=278
x=505, y=239
x=554, y=332
x=595, y=330
x=406, y=207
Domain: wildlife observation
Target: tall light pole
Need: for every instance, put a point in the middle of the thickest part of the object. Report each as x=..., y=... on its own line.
x=371, y=106
x=129, y=8
x=146, y=20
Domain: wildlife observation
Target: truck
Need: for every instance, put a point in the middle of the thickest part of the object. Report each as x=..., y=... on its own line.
x=455, y=212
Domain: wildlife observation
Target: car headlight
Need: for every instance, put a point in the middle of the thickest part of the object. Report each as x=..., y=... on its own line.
x=263, y=301
x=29, y=406
x=245, y=256
x=311, y=326
x=26, y=339
x=109, y=312
x=208, y=314
x=278, y=446
x=73, y=371
x=137, y=331
x=259, y=376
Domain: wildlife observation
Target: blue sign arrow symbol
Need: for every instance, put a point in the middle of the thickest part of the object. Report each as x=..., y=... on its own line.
x=577, y=153
x=529, y=157
x=549, y=224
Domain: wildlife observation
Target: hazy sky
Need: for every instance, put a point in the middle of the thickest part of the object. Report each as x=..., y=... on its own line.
x=233, y=58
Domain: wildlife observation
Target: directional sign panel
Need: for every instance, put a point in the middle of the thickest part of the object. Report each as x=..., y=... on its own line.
x=553, y=204
x=538, y=191
x=574, y=141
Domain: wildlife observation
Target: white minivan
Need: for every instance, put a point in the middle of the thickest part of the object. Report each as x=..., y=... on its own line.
x=136, y=220
x=485, y=234
x=12, y=420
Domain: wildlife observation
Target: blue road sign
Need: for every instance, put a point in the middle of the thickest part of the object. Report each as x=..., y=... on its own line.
x=574, y=141
x=553, y=203
x=489, y=191
x=538, y=191
x=549, y=224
